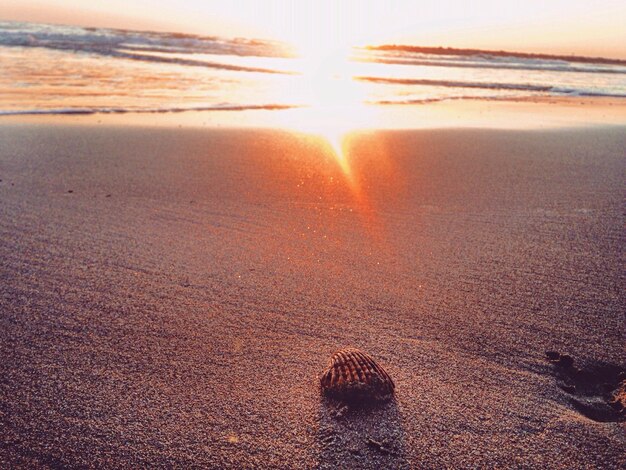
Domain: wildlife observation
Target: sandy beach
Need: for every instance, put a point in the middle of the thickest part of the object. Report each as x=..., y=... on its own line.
x=168, y=297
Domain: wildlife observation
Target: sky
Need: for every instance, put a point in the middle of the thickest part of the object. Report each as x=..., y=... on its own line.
x=581, y=27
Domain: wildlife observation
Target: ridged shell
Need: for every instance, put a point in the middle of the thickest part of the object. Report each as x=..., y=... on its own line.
x=354, y=375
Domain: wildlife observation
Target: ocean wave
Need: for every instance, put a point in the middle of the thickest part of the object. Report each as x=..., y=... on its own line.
x=418, y=101
x=164, y=110
x=38, y=80
x=192, y=62
x=77, y=38
x=492, y=86
x=491, y=55
x=136, y=45
x=499, y=65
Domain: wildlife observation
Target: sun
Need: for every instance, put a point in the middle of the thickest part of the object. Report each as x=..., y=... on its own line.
x=333, y=102
x=323, y=36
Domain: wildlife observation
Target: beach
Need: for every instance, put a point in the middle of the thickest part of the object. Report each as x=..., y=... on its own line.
x=169, y=296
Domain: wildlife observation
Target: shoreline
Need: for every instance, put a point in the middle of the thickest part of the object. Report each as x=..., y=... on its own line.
x=509, y=113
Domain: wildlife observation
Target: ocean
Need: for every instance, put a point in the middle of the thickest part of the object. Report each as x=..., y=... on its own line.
x=52, y=69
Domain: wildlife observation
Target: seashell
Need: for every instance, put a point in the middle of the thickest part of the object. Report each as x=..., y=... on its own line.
x=353, y=375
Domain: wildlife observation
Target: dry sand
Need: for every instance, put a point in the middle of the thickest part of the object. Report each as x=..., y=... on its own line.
x=175, y=308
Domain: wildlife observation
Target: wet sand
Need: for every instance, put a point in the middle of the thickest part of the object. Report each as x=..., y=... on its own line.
x=168, y=297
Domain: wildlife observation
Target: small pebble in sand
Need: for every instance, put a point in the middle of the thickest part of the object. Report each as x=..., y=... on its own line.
x=562, y=360
x=341, y=411
x=353, y=375
x=553, y=355
x=379, y=446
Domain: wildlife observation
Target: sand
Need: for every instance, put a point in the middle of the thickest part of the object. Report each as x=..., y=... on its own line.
x=169, y=296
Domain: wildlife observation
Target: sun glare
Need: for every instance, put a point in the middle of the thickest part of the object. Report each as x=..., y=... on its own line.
x=334, y=102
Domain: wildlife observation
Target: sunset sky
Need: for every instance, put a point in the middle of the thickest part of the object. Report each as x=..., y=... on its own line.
x=583, y=27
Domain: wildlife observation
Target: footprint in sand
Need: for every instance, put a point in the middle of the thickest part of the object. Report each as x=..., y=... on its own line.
x=598, y=390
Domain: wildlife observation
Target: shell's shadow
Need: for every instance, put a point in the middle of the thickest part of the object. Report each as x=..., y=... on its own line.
x=361, y=436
